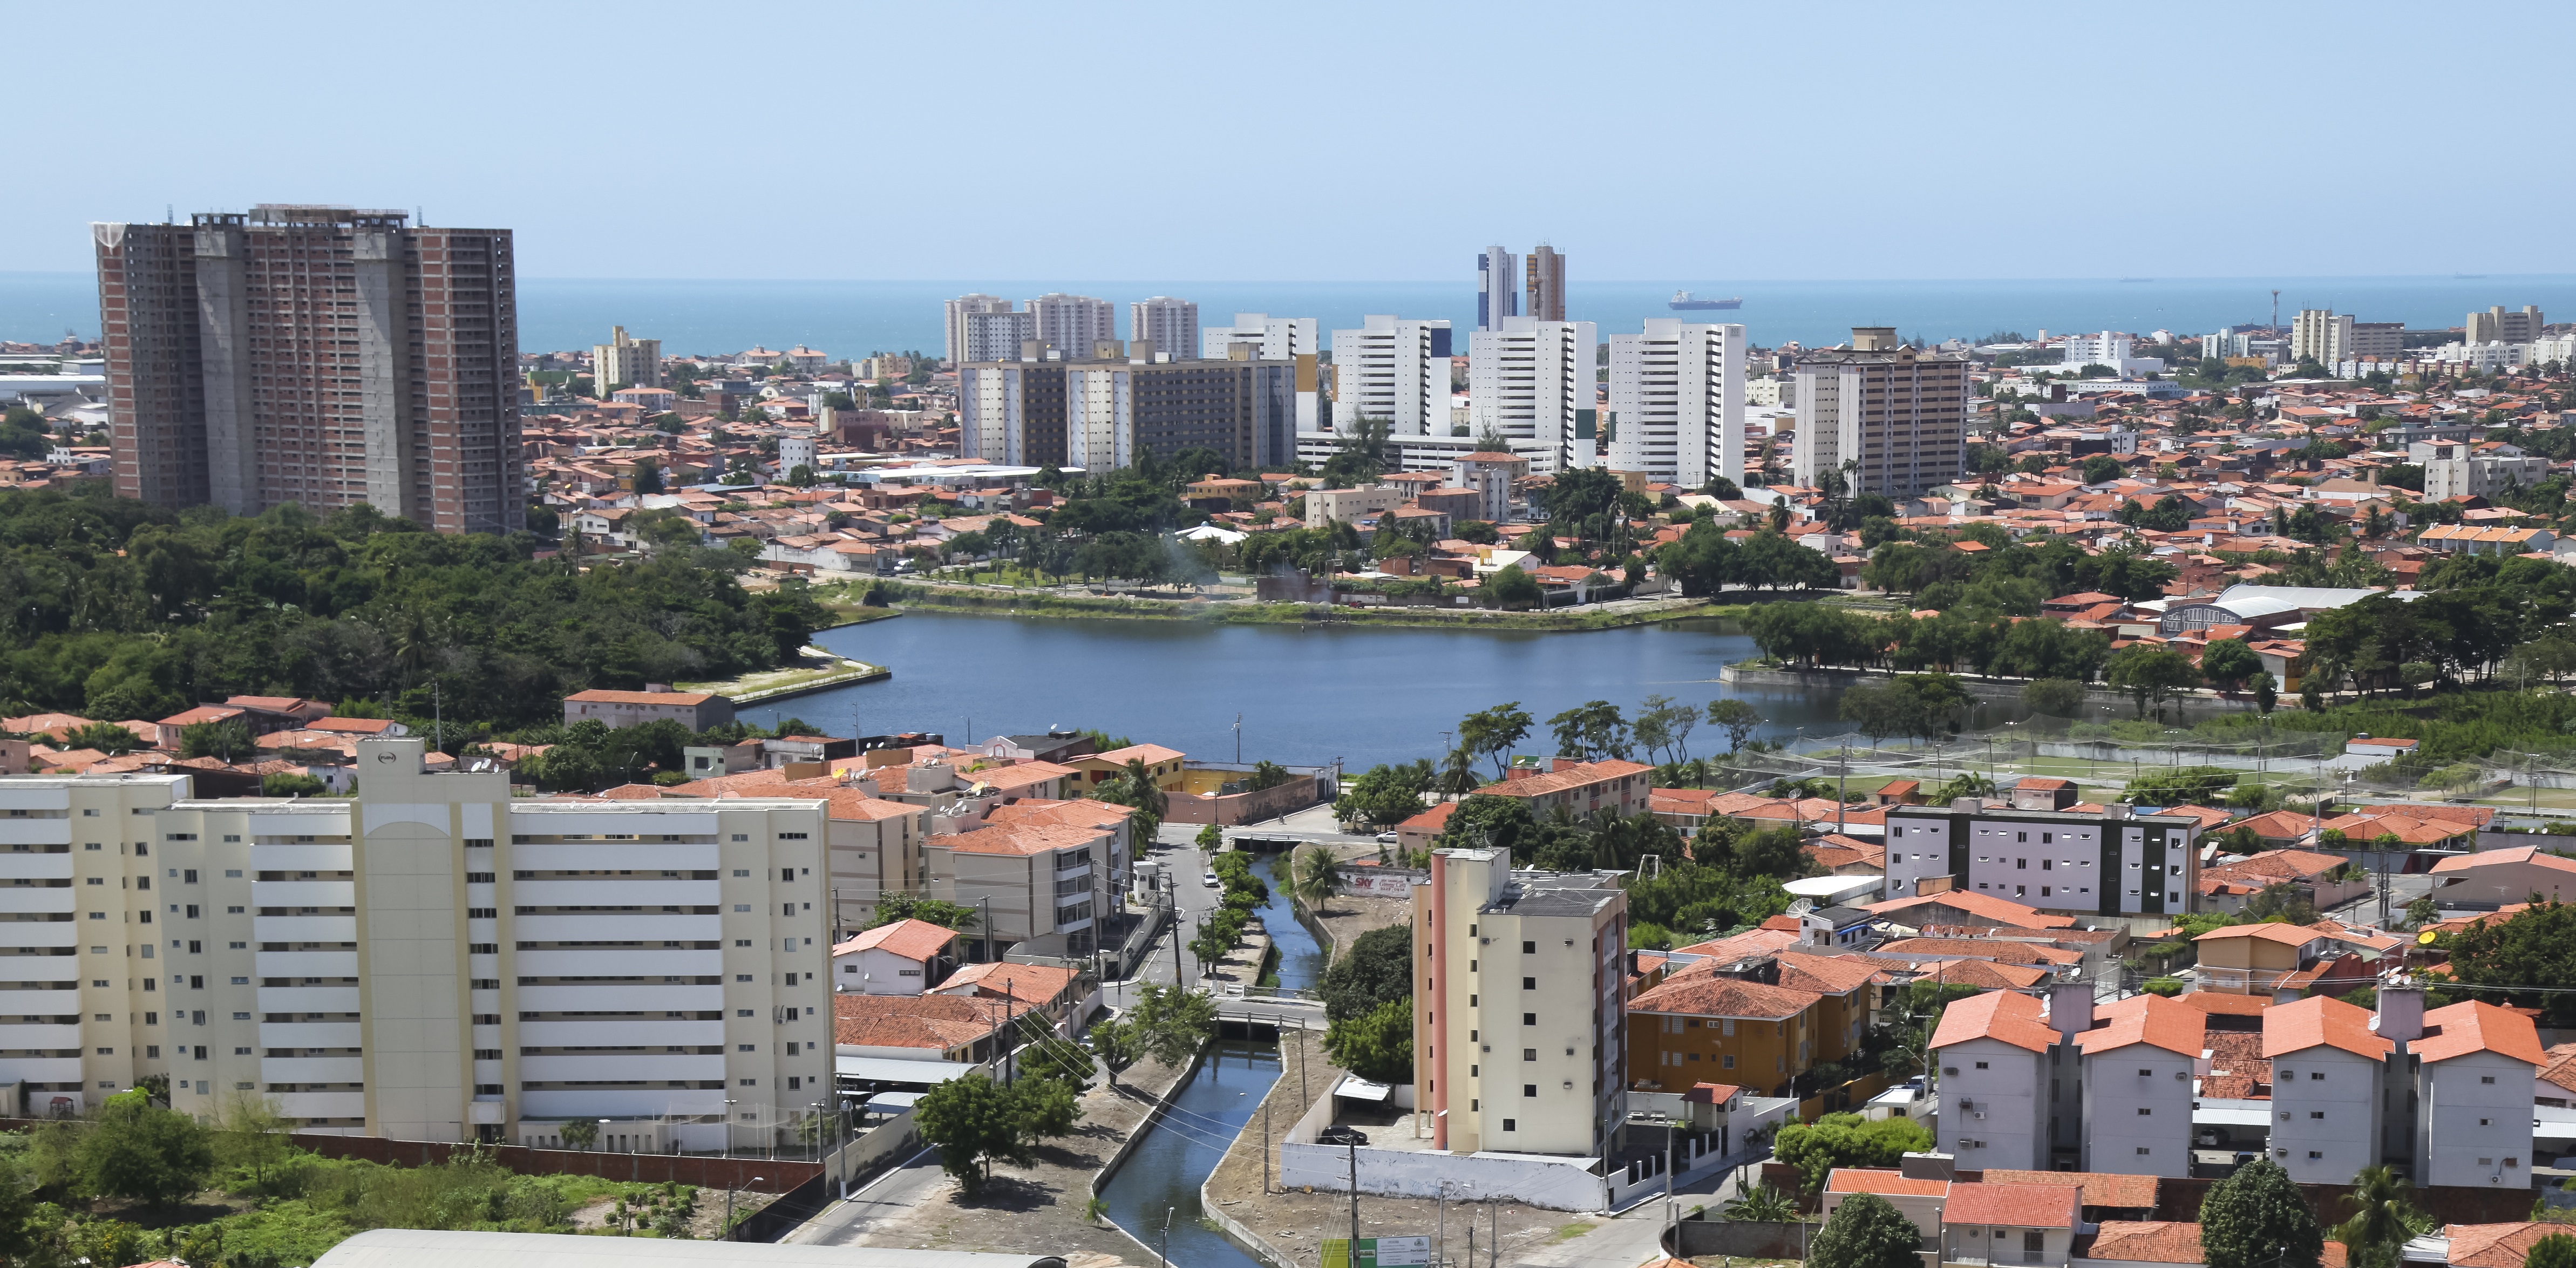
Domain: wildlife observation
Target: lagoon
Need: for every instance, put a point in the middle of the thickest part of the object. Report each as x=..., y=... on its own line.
x=1307, y=695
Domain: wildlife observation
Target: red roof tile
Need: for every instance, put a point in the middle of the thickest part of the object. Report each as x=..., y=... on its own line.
x=2013, y=1205
x=2002, y=1015
x=2478, y=1026
x=2318, y=1021
x=2100, y=1188
x=2147, y=1019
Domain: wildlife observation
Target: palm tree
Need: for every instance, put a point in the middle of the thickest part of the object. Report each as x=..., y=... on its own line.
x=1458, y=775
x=1764, y=1203
x=1316, y=873
x=2384, y=1219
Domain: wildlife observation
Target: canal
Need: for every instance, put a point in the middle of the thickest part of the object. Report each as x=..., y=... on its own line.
x=1159, y=1185
x=1304, y=695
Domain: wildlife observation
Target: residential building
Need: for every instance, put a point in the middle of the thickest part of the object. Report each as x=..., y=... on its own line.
x=1350, y=505
x=1489, y=474
x=1039, y=886
x=2027, y=1224
x=1579, y=787
x=2324, y=881
x=1393, y=370
x=901, y=957
x=2377, y=340
x=2467, y=469
x=1995, y=1051
x=1893, y=418
x=2136, y=1069
x=696, y=710
x=2111, y=350
x=2109, y=860
x=994, y=334
x=1532, y=381
x=2492, y=878
x=1677, y=401
x=1073, y=323
x=2496, y=325
x=1172, y=325
x=625, y=362
x=959, y=342
x=217, y=393
x=435, y=960
x=1497, y=288
x=1559, y=946
x=2475, y=1062
x=2330, y=1091
x=1546, y=300
x=1760, y=1021
x=1101, y=413
x=1012, y=412
x=1275, y=338
x=2321, y=335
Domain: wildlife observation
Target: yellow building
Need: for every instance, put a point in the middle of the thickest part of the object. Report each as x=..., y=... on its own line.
x=1095, y=769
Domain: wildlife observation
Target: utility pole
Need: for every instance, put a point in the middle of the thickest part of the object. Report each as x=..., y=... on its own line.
x=1265, y=1144
x=1842, y=786
x=987, y=904
x=1173, y=885
x=1354, y=1143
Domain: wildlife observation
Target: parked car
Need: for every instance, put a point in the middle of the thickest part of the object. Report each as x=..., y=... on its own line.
x=1388, y=838
x=1208, y=879
x=1340, y=1135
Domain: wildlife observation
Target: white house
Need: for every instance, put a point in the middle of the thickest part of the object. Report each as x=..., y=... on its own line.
x=898, y=958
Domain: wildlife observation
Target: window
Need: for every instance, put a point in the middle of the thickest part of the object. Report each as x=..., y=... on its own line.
x=2143, y=1151
x=2143, y=1111
x=2486, y=1078
x=2021, y=865
x=1529, y=1019
x=2314, y=1153
x=1981, y=1065
x=1529, y=1089
x=1529, y=983
x=1511, y=1124
x=1529, y=1054
x=741, y=871
x=1726, y=1062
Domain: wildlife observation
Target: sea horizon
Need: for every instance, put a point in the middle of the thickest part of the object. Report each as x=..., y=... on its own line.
x=849, y=318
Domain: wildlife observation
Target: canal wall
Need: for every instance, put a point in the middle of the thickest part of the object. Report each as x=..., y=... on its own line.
x=1162, y=1109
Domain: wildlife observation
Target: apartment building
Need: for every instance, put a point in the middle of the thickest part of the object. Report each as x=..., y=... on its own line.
x=2497, y=325
x=2106, y=860
x=2321, y=335
x=1040, y=885
x=1677, y=401
x=1172, y=325
x=1073, y=323
x=1581, y=788
x=1497, y=287
x=1758, y=1021
x=1532, y=381
x=625, y=362
x=1891, y=417
x=2474, y=469
x=2330, y=1093
x=434, y=960
x=1559, y=946
x=1102, y=411
x=994, y=334
x=323, y=356
x=953, y=328
x=1274, y=338
x=2138, y=1058
x=1393, y=370
x=1998, y=1057
x=1546, y=292
x=696, y=710
x=2445, y=1094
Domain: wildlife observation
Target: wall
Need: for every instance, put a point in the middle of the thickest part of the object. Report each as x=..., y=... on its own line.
x=694, y=1169
x=1558, y=1186
x=1741, y=1239
x=1246, y=807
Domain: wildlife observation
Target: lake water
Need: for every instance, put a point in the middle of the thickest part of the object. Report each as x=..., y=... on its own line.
x=1306, y=696
x=853, y=318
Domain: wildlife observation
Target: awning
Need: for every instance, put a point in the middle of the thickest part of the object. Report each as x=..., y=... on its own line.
x=1359, y=1089
x=893, y=1102
x=897, y=1070
x=2209, y=1117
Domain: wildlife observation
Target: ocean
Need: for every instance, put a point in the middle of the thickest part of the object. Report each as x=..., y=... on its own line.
x=853, y=319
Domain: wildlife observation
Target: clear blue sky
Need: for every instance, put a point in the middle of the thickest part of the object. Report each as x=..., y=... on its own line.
x=1337, y=141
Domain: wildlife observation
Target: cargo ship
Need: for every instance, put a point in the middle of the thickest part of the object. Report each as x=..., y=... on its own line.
x=1682, y=301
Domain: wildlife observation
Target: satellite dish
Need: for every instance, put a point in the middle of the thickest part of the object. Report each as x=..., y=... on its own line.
x=2424, y=939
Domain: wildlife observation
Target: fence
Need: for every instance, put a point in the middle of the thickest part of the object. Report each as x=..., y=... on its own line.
x=697, y=1169
x=1742, y=1239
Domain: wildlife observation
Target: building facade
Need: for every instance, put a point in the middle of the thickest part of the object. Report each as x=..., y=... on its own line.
x=322, y=356
x=2465, y=469
x=1546, y=297
x=1547, y=1014
x=2497, y=325
x=1531, y=381
x=1677, y=401
x=1498, y=287
x=2321, y=335
x=995, y=334
x=1275, y=338
x=2106, y=861
x=625, y=362
x=434, y=960
x=1101, y=414
x=1893, y=418
x=1394, y=370
x=958, y=342
x=1172, y=325
x=1074, y=324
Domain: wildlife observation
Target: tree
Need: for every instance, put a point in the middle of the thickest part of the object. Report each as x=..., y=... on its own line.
x=1765, y=1204
x=2056, y=697
x=228, y=739
x=1166, y=1023
x=2177, y=786
x=251, y=1134
x=106, y=737
x=579, y=1133
x=2266, y=693
x=1376, y=1045
x=2558, y=1250
x=2150, y=674
x=1738, y=719
x=1381, y=797
x=973, y=1121
x=1846, y=1140
x=1866, y=1231
x=2534, y=948
x=2384, y=1218
x=1377, y=968
x=937, y=911
x=1593, y=730
x=2229, y=662
x=2101, y=469
x=1510, y=587
x=149, y=1154
x=2256, y=1218
x=1492, y=733
x=1315, y=874
x=1135, y=787
x=22, y=1231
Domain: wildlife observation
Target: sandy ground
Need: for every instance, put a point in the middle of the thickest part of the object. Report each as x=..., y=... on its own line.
x=1294, y=1221
x=1039, y=1209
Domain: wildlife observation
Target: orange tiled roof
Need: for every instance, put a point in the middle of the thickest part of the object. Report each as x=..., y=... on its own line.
x=911, y=939
x=1696, y=990
x=2013, y=1205
x=2495, y=1245
x=2002, y=1015
x=2478, y=1026
x=2147, y=1019
x=1572, y=777
x=2147, y=1242
x=2318, y=1021
x=2002, y=911
x=2100, y=1188
x=1883, y=1182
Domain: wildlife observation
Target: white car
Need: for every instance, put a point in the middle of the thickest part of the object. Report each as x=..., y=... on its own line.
x=1388, y=838
x=1208, y=879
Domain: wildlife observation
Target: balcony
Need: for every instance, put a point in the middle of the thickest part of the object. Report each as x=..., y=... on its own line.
x=308, y=999
x=313, y=1069
x=306, y=963
x=40, y=933
x=322, y=1104
x=300, y=858
x=50, y=900
x=654, y=1067
x=610, y=856
x=304, y=928
x=35, y=867
x=617, y=891
x=35, y=832
x=39, y=1004
x=627, y=1104
x=614, y=998
x=39, y=1036
x=604, y=962
x=324, y=894
x=312, y=1034
x=656, y=1032
x=619, y=927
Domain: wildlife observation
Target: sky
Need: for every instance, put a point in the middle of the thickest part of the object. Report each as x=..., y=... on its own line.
x=1328, y=141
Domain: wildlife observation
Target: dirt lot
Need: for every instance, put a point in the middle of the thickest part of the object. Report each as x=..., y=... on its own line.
x=1293, y=1221
x=1040, y=1209
x=1347, y=916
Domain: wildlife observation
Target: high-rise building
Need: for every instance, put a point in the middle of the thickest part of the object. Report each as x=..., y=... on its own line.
x=1173, y=325
x=324, y=356
x=2496, y=325
x=960, y=342
x=1103, y=412
x=1498, y=287
x=1531, y=382
x=1546, y=284
x=1276, y=338
x=2321, y=335
x=994, y=334
x=1524, y=972
x=1892, y=418
x=2377, y=340
x=432, y=960
x=1073, y=324
x=624, y=362
x=1395, y=370
x=1677, y=401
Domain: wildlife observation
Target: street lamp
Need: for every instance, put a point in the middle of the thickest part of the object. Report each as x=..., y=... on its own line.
x=1166, y=1251
x=728, y=1130
x=603, y=1130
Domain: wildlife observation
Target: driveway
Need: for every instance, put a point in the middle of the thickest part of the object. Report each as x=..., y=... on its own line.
x=887, y=1197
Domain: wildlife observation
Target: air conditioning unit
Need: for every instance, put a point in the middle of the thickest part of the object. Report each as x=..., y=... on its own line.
x=1949, y=1069
x=1980, y=1115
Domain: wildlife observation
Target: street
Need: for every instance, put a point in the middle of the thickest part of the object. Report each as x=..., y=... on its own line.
x=884, y=1198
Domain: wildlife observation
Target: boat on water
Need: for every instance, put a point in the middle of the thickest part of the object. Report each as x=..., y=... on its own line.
x=1682, y=301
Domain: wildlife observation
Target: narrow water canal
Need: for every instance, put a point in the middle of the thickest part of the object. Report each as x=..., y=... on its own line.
x=1160, y=1181
x=1301, y=958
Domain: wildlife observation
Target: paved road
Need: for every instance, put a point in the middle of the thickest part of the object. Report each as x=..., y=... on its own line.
x=888, y=1197
x=1635, y=1237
